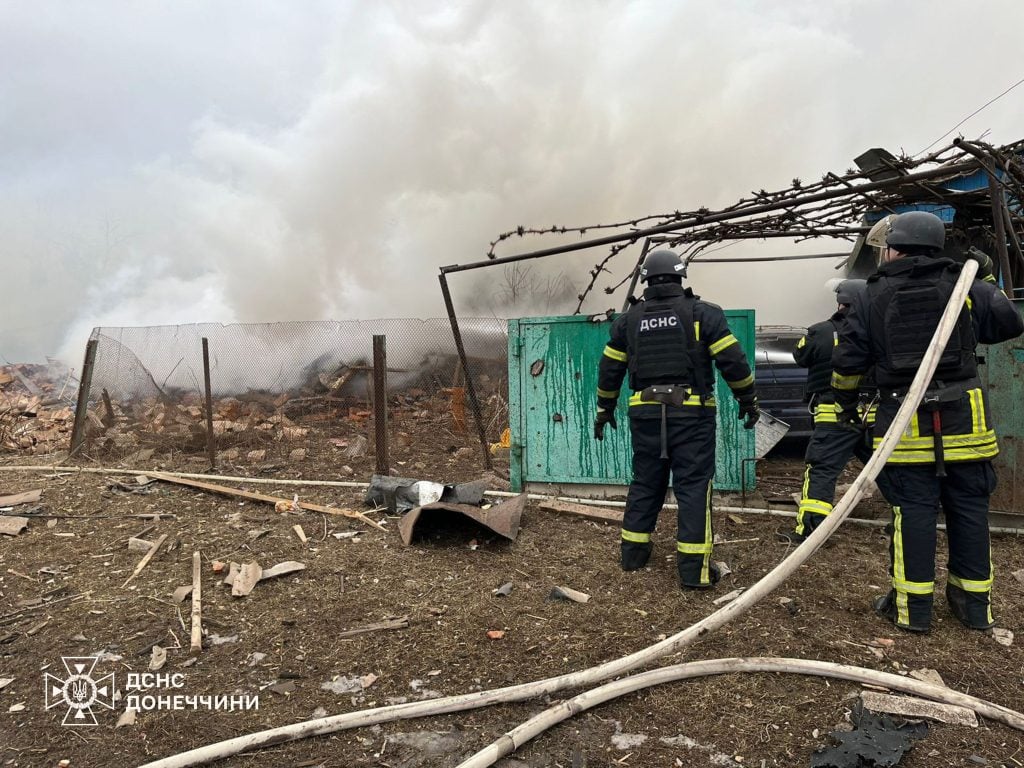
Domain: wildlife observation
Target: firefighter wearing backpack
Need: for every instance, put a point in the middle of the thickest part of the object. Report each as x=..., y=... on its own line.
x=832, y=445
x=945, y=456
x=666, y=342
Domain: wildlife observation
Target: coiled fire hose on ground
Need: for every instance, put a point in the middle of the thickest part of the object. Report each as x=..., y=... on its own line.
x=615, y=667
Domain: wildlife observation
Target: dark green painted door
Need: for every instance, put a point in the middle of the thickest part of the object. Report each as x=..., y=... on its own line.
x=553, y=382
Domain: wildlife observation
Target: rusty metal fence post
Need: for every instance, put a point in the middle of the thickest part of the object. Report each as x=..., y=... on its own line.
x=211, y=441
x=380, y=402
x=82, y=406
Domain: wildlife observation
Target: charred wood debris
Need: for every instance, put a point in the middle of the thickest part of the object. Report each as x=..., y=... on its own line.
x=38, y=405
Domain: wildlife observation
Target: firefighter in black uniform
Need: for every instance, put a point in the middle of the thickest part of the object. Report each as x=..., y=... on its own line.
x=944, y=457
x=666, y=343
x=832, y=445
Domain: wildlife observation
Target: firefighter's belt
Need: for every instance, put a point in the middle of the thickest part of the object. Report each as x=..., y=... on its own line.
x=940, y=392
x=666, y=394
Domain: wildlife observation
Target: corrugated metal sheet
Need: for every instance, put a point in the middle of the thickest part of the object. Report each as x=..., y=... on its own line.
x=552, y=402
x=1004, y=379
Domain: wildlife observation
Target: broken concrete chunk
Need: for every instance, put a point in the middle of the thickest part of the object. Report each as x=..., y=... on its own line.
x=248, y=576
x=233, y=569
x=1019, y=575
x=503, y=591
x=12, y=526
x=909, y=706
x=928, y=676
x=282, y=569
x=157, y=658
x=1002, y=636
x=126, y=718
x=28, y=497
x=565, y=593
x=181, y=593
x=727, y=598
x=139, y=545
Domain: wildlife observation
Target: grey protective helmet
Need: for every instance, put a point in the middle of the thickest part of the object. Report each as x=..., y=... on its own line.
x=662, y=263
x=917, y=229
x=847, y=290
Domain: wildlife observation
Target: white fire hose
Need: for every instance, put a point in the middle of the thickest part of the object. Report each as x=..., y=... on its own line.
x=686, y=637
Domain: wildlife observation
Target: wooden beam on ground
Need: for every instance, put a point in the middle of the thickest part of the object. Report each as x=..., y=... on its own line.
x=145, y=560
x=197, y=604
x=401, y=623
x=224, y=490
x=601, y=514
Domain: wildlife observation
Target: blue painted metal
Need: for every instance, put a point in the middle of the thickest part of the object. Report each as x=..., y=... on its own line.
x=1004, y=380
x=552, y=402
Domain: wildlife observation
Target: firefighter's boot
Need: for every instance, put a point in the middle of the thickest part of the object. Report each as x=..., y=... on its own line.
x=634, y=556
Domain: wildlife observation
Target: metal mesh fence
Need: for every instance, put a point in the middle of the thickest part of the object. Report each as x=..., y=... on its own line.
x=280, y=390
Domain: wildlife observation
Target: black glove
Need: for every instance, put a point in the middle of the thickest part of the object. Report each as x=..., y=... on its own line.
x=846, y=402
x=603, y=417
x=984, y=264
x=847, y=416
x=749, y=411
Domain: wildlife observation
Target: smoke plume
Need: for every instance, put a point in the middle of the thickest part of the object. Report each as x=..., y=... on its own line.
x=187, y=162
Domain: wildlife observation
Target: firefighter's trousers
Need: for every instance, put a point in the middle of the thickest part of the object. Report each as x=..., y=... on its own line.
x=690, y=442
x=916, y=494
x=828, y=452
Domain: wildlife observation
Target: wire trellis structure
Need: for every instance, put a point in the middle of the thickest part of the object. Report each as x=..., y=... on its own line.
x=974, y=186
x=273, y=384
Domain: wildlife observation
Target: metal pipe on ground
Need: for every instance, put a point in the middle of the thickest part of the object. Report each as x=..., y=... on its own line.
x=682, y=639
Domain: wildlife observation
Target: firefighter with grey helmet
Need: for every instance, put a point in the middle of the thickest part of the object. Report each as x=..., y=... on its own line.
x=944, y=459
x=666, y=344
x=831, y=445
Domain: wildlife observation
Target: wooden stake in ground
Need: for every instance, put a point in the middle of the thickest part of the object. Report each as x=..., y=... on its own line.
x=145, y=560
x=223, y=489
x=197, y=604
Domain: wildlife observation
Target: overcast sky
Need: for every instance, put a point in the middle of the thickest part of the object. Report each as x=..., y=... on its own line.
x=174, y=162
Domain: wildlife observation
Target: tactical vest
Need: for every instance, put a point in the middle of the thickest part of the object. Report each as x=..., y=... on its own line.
x=819, y=375
x=905, y=311
x=662, y=346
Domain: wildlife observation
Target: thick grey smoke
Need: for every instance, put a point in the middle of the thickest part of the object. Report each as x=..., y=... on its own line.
x=168, y=163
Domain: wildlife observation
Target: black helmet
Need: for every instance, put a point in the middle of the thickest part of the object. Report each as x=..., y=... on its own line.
x=917, y=229
x=662, y=263
x=847, y=290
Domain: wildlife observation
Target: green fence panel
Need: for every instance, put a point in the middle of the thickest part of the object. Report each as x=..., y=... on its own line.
x=552, y=402
x=1004, y=380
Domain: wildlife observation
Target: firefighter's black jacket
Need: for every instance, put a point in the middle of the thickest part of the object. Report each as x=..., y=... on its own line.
x=814, y=352
x=967, y=421
x=713, y=341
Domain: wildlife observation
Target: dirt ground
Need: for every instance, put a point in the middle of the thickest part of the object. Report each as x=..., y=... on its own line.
x=283, y=643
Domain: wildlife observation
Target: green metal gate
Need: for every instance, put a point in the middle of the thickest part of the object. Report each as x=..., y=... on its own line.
x=1004, y=382
x=553, y=400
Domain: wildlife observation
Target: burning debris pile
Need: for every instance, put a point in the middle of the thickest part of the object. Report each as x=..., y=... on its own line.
x=36, y=407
